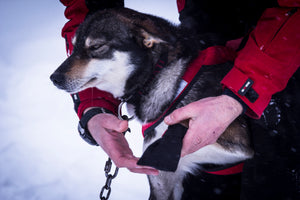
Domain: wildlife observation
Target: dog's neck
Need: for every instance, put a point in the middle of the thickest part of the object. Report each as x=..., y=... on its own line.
x=134, y=94
x=162, y=91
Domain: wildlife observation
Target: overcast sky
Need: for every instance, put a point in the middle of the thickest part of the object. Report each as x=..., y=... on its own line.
x=41, y=155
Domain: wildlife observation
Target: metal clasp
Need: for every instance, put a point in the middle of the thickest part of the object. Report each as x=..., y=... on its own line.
x=123, y=117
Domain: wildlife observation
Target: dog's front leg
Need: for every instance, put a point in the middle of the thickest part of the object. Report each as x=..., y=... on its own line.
x=166, y=186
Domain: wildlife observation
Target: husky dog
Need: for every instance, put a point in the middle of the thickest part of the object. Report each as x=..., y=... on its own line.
x=117, y=50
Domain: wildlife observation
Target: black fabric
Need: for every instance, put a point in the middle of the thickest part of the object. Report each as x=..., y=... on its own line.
x=95, y=5
x=76, y=101
x=274, y=172
x=91, y=113
x=246, y=86
x=231, y=94
x=215, y=167
x=82, y=125
x=226, y=20
x=164, y=153
x=86, y=135
x=212, y=187
x=251, y=95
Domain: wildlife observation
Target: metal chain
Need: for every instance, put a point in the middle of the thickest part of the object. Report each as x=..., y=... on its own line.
x=109, y=177
x=106, y=189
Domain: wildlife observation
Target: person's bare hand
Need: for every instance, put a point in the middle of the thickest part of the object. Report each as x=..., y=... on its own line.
x=207, y=119
x=107, y=130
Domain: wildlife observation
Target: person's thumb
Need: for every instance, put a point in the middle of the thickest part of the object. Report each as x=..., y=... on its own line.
x=177, y=116
x=123, y=126
x=113, y=123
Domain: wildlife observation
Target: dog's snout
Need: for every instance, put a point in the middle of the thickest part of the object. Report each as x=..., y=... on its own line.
x=57, y=78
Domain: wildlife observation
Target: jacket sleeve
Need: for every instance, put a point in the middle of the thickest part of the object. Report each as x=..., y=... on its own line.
x=269, y=59
x=75, y=12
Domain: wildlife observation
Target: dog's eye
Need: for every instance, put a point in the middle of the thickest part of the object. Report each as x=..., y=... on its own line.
x=98, y=50
x=94, y=44
x=95, y=47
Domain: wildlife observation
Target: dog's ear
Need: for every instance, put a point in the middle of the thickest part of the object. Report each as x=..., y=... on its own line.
x=149, y=40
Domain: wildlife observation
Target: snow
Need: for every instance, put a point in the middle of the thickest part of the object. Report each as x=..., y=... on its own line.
x=41, y=153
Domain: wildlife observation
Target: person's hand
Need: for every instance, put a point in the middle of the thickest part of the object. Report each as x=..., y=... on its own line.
x=206, y=119
x=107, y=130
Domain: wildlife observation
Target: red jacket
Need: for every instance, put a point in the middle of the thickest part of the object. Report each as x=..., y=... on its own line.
x=268, y=60
x=270, y=57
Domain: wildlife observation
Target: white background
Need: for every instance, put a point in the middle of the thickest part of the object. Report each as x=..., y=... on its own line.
x=42, y=156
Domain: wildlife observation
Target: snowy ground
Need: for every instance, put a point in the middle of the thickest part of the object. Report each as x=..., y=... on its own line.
x=41, y=155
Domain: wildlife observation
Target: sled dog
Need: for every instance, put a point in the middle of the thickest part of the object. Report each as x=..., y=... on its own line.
x=141, y=59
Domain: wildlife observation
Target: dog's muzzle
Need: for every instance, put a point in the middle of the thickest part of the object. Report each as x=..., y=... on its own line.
x=58, y=80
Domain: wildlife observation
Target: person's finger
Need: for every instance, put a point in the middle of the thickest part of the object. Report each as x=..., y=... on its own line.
x=144, y=171
x=180, y=114
x=113, y=123
x=130, y=162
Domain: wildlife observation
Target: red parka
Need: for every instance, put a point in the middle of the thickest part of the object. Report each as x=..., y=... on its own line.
x=262, y=68
x=270, y=57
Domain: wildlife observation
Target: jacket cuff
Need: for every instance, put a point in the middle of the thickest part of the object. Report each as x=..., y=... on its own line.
x=268, y=60
x=243, y=87
x=102, y=103
x=92, y=97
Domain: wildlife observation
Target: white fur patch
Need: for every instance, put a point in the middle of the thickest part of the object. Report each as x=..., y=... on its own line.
x=213, y=153
x=111, y=74
x=88, y=42
x=163, y=90
x=160, y=130
x=73, y=40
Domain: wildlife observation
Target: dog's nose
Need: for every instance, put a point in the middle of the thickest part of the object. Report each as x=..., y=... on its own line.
x=57, y=78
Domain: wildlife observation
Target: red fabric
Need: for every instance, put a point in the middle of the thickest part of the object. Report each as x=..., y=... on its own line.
x=289, y=3
x=270, y=57
x=210, y=56
x=76, y=11
x=92, y=97
x=180, y=5
x=231, y=170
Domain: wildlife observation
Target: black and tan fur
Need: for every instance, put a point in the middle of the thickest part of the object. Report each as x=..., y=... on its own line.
x=116, y=50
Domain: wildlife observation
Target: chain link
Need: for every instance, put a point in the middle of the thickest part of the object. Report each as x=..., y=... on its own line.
x=106, y=189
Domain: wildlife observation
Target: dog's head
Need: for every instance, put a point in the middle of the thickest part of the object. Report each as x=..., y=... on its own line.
x=113, y=51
